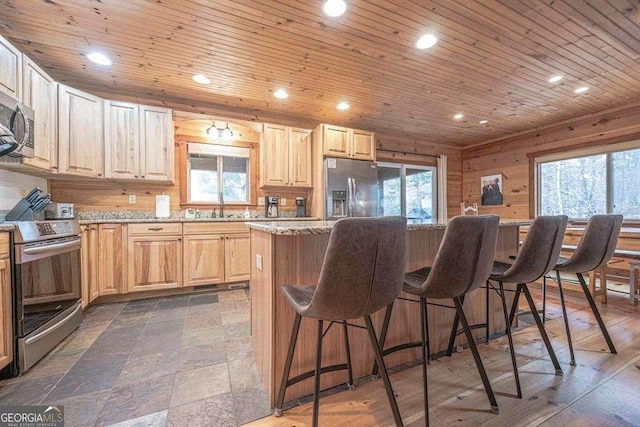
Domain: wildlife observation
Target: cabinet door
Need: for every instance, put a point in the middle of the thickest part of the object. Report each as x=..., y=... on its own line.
x=39, y=93
x=363, y=145
x=6, y=315
x=156, y=144
x=81, y=143
x=274, y=155
x=203, y=259
x=110, y=263
x=88, y=264
x=154, y=262
x=121, y=140
x=10, y=69
x=335, y=141
x=237, y=266
x=300, y=157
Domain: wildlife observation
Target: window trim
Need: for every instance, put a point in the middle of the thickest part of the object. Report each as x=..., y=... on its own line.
x=403, y=184
x=182, y=142
x=607, y=150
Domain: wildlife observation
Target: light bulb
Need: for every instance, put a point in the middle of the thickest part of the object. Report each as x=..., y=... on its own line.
x=334, y=8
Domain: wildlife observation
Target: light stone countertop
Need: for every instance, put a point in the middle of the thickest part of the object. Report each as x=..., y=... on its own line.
x=324, y=227
x=7, y=227
x=159, y=220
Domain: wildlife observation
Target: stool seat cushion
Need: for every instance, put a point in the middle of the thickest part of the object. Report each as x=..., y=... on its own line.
x=298, y=296
x=498, y=270
x=413, y=281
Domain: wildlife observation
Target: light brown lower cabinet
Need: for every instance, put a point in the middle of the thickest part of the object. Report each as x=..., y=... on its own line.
x=89, y=263
x=111, y=255
x=210, y=259
x=6, y=312
x=154, y=262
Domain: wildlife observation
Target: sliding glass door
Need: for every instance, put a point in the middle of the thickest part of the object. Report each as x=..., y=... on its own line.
x=407, y=190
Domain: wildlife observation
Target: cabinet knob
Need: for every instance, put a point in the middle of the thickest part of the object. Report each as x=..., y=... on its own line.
x=99, y=174
x=142, y=176
x=135, y=176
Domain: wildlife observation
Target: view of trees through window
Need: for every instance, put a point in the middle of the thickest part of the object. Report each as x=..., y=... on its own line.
x=578, y=187
x=206, y=172
x=407, y=191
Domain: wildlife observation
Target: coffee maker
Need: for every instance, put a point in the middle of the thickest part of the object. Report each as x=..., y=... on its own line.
x=301, y=210
x=271, y=207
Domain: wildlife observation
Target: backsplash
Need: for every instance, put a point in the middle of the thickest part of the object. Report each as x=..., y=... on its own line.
x=14, y=186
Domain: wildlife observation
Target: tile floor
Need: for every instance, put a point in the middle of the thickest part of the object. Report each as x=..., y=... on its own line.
x=176, y=361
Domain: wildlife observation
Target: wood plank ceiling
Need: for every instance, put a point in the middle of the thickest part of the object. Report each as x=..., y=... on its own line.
x=492, y=61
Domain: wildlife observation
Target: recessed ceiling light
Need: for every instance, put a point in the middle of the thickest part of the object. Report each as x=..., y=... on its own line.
x=201, y=78
x=483, y=122
x=343, y=106
x=555, y=79
x=426, y=41
x=99, y=58
x=458, y=116
x=582, y=89
x=334, y=8
x=281, y=94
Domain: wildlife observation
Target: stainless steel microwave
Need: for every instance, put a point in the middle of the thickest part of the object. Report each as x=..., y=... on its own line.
x=16, y=128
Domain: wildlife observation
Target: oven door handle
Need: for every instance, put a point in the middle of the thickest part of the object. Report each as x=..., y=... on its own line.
x=38, y=252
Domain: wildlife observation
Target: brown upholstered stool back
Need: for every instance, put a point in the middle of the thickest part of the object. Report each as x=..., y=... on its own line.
x=539, y=252
x=363, y=268
x=465, y=257
x=597, y=245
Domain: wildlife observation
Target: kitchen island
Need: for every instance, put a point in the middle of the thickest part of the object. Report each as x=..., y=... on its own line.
x=292, y=253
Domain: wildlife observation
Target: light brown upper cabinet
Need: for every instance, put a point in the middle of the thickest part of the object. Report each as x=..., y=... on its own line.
x=80, y=135
x=339, y=141
x=285, y=157
x=10, y=69
x=39, y=93
x=138, y=142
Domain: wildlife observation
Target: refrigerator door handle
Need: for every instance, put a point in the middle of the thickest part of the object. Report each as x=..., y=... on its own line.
x=355, y=197
x=349, y=197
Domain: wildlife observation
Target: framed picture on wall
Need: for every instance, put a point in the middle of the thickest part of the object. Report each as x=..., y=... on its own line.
x=491, y=190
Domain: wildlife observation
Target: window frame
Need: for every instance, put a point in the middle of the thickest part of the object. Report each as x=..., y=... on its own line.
x=184, y=165
x=403, y=185
x=576, y=154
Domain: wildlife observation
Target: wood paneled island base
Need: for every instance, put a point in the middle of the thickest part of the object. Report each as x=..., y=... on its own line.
x=285, y=253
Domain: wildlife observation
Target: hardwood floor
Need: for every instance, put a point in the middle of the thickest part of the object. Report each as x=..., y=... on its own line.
x=603, y=389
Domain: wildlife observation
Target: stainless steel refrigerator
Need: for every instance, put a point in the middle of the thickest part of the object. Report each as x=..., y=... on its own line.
x=351, y=188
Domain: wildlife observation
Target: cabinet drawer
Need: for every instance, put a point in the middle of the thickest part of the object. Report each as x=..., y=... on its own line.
x=155, y=229
x=214, y=227
x=4, y=245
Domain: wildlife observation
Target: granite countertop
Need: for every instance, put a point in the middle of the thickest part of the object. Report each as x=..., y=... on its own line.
x=7, y=227
x=324, y=227
x=209, y=219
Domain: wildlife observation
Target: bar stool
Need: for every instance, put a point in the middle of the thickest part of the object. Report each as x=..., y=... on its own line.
x=536, y=257
x=595, y=249
x=462, y=264
x=362, y=272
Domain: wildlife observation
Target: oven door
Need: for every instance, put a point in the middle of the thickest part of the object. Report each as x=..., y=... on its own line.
x=48, y=281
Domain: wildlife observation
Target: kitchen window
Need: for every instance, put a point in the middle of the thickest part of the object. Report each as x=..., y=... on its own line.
x=582, y=186
x=407, y=190
x=216, y=172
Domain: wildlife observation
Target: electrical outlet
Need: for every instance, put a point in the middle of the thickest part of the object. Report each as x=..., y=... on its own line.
x=283, y=201
x=132, y=198
x=260, y=201
x=259, y=262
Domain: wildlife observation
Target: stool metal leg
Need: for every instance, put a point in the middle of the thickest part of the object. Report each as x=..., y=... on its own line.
x=454, y=330
x=514, y=307
x=476, y=356
x=596, y=313
x=348, y=354
x=544, y=299
x=424, y=331
x=287, y=366
x=383, y=335
x=543, y=332
x=383, y=371
x=486, y=313
x=316, y=386
x=511, y=348
x=566, y=319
